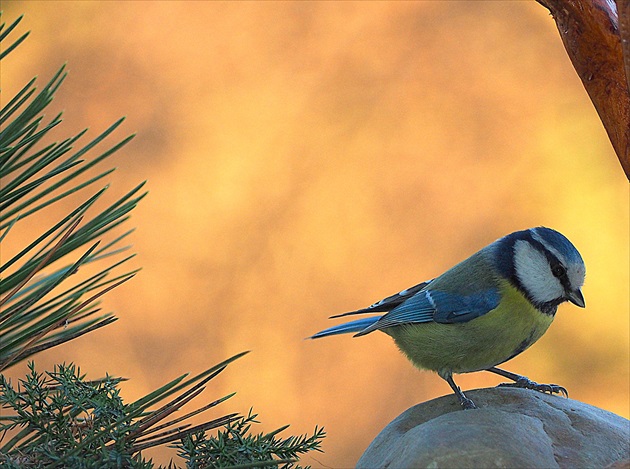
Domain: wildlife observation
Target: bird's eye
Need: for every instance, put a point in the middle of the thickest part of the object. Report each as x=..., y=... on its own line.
x=558, y=271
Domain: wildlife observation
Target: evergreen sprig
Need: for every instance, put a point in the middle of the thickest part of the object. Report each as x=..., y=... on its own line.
x=235, y=447
x=59, y=419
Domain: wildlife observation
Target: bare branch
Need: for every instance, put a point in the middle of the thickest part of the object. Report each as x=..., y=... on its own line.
x=592, y=35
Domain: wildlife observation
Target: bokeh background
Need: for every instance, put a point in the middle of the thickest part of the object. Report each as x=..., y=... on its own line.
x=305, y=159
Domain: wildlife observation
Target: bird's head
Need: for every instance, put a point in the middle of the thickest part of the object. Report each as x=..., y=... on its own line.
x=544, y=265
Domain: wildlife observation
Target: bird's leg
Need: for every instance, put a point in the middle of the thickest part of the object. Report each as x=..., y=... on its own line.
x=526, y=383
x=463, y=400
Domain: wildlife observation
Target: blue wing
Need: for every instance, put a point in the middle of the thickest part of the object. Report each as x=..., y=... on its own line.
x=437, y=306
x=452, y=308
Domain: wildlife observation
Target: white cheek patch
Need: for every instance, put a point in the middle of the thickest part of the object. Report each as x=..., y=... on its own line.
x=576, y=276
x=534, y=273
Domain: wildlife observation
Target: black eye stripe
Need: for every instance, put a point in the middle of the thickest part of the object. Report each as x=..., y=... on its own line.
x=557, y=269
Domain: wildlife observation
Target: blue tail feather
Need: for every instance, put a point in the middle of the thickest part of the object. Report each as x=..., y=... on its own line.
x=352, y=326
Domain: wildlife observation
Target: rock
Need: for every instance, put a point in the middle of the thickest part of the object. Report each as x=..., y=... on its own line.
x=511, y=428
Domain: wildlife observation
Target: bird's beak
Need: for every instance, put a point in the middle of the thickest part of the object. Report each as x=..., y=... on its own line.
x=576, y=298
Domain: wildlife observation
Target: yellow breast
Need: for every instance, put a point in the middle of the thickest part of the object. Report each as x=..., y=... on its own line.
x=475, y=345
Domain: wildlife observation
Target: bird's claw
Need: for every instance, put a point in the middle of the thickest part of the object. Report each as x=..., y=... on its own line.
x=467, y=404
x=527, y=383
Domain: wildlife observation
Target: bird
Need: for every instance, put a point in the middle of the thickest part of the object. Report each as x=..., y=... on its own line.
x=483, y=311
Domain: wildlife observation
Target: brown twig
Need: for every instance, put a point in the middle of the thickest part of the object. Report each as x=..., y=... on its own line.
x=592, y=34
x=623, y=11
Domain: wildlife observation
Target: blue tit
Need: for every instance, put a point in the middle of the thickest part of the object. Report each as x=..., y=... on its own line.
x=482, y=312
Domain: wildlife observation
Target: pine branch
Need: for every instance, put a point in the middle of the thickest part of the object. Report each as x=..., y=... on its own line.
x=35, y=175
x=58, y=418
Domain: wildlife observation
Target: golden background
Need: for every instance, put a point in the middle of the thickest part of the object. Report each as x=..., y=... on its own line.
x=306, y=159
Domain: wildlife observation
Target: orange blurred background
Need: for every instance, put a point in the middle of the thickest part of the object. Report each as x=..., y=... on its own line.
x=306, y=159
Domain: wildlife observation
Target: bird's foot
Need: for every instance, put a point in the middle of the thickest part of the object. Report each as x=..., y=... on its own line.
x=526, y=383
x=466, y=403
x=461, y=397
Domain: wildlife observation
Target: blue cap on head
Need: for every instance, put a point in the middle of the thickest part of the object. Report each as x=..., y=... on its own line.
x=555, y=240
